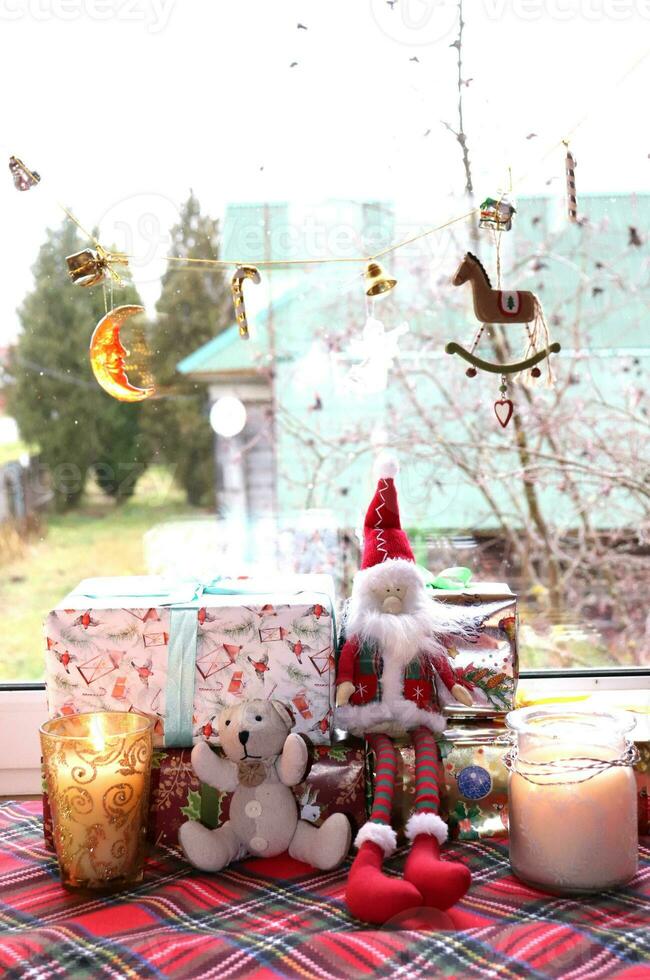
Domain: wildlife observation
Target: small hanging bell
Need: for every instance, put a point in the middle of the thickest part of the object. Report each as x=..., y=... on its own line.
x=377, y=281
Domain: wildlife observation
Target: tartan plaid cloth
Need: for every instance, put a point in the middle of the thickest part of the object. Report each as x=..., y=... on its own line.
x=282, y=918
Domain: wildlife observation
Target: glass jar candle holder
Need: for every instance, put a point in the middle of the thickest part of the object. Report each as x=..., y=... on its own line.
x=572, y=792
x=97, y=770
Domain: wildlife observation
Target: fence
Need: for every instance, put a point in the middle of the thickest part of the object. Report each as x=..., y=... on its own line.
x=24, y=492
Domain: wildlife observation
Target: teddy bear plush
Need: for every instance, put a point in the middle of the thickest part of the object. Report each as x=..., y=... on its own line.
x=262, y=760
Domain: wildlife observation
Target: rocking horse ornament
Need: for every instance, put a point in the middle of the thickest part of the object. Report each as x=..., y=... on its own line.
x=502, y=306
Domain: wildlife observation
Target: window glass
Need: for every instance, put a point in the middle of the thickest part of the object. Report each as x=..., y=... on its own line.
x=332, y=131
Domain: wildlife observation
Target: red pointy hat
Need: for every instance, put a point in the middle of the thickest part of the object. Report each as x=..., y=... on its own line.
x=383, y=537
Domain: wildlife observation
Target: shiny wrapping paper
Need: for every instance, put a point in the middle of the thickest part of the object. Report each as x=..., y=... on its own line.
x=489, y=663
x=335, y=783
x=474, y=800
x=642, y=773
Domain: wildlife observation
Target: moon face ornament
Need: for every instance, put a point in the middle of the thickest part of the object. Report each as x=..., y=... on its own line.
x=107, y=356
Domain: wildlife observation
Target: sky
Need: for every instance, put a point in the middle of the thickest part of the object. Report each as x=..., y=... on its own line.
x=124, y=105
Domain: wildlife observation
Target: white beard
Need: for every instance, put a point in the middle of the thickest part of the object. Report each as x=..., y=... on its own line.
x=399, y=637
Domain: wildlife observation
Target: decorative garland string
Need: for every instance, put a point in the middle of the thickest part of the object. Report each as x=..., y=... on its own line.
x=578, y=764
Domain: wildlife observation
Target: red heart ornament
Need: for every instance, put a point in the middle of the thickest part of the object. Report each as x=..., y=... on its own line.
x=503, y=410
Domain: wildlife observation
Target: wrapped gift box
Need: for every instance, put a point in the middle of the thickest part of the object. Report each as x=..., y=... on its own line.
x=474, y=799
x=335, y=783
x=182, y=652
x=488, y=662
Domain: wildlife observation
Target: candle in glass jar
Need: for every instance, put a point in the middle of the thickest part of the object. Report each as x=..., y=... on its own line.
x=97, y=768
x=573, y=814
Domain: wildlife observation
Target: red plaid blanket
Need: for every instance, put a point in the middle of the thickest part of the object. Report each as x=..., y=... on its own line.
x=284, y=919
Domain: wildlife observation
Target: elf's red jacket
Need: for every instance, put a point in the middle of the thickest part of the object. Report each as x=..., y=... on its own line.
x=363, y=666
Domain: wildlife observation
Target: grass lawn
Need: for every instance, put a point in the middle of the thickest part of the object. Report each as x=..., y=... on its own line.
x=97, y=539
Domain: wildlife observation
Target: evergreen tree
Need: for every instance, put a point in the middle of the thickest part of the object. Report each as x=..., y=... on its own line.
x=54, y=397
x=194, y=306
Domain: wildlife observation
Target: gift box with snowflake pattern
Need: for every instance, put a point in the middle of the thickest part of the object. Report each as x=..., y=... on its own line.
x=181, y=652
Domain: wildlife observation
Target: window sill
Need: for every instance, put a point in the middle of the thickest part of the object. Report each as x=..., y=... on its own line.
x=23, y=710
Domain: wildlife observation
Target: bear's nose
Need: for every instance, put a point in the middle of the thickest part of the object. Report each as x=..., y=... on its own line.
x=243, y=737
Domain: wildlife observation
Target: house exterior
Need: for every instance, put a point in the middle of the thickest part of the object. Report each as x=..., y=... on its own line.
x=310, y=433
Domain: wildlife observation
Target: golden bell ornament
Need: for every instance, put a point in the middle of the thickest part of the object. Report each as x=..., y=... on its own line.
x=377, y=281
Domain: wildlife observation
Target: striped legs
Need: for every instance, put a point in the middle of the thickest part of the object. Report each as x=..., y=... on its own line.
x=371, y=895
x=428, y=772
x=374, y=896
x=441, y=883
x=386, y=769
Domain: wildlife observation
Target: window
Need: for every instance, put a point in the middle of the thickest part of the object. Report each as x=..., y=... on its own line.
x=331, y=131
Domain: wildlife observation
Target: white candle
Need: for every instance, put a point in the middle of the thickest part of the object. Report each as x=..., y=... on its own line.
x=98, y=768
x=567, y=832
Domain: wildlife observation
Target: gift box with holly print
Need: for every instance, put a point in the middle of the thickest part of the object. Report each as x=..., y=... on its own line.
x=486, y=661
x=475, y=796
x=335, y=783
x=183, y=651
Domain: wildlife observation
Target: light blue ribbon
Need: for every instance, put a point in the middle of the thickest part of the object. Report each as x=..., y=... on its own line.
x=183, y=601
x=181, y=673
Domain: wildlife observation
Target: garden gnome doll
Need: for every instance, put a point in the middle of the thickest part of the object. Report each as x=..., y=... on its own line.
x=392, y=676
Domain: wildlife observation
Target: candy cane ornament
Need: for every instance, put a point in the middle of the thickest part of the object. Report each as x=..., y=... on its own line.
x=571, y=199
x=243, y=272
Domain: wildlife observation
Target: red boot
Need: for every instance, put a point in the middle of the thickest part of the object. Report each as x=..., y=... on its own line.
x=441, y=883
x=371, y=895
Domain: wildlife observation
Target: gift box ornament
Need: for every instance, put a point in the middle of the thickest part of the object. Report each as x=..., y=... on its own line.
x=486, y=661
x=183, y=652
x=335, y=784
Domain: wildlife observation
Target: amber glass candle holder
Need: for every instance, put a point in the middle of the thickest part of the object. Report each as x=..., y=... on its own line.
x=98, y=769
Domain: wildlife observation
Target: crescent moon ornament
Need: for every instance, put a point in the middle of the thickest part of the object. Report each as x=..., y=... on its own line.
x=107, y=355
x=243, y=272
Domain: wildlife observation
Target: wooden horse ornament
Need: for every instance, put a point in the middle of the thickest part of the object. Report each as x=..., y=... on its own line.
x=502, y=306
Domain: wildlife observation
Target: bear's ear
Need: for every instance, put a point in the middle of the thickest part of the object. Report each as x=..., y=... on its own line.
x=285, y=713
